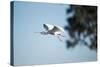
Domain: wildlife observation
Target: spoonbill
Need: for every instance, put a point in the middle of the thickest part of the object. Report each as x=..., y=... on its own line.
x=53, y=30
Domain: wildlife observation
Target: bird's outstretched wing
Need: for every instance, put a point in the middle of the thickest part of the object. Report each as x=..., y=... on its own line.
x=55, y=29
x=48, y=27
x=60, y=28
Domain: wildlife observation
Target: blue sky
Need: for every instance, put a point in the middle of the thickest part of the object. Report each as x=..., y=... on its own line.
x=31, y=48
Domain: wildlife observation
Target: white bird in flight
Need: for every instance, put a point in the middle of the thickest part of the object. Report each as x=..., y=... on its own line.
x=53, y=30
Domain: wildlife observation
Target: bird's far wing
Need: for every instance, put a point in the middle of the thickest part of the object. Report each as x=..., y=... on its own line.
x=48, y=27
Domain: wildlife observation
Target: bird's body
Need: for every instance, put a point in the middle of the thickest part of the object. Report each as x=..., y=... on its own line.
x=52, y=30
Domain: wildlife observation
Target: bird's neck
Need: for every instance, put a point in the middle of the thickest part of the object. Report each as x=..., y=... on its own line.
x=44, y=33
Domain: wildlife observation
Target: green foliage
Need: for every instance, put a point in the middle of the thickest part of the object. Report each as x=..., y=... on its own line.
x=84, y=22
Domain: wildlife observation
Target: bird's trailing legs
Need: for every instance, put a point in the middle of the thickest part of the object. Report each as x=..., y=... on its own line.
x=59, y=38
x=61, y=35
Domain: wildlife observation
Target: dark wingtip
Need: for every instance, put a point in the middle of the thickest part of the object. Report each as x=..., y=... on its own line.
x=44, y=25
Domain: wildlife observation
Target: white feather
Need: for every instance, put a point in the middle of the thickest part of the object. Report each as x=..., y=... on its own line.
x=50, y=27
x=60, y=28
